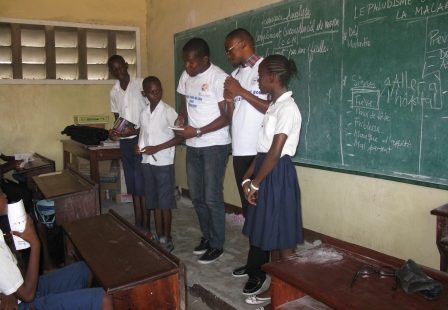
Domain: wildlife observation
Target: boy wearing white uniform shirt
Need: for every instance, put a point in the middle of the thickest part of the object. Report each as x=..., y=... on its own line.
x=157, y=145
x=126, y=101
x=202, y=103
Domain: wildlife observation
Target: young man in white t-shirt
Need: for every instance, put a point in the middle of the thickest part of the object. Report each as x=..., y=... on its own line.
x=208, y=140
x=248, y=106
x=126, y=101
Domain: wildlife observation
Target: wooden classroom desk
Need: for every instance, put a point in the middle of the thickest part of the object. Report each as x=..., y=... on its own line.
x=328, y=280
x=442, y=234
x=136, y=272
x=74, y=196
x=93, y=154
x=39, y=165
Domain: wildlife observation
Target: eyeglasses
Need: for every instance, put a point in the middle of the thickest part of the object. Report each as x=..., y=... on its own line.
x=232, y=47
x=369, y=270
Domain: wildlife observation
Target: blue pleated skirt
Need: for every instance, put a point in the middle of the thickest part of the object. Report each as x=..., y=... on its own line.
x=276, y=221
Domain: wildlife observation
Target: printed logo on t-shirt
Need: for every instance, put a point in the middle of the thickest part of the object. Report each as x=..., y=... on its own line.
x=193, y=101
x=204, y=87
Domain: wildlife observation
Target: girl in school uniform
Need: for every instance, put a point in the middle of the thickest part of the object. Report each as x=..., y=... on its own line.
x=274, y=221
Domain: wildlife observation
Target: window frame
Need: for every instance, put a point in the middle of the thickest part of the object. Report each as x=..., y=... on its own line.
x=73, y=25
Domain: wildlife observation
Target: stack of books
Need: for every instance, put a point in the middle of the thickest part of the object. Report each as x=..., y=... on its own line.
x=121, y=124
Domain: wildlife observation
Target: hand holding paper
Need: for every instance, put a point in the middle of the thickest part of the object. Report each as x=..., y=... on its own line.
x=17, y=221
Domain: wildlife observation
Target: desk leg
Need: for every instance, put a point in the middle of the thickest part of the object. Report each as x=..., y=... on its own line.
x=95, y=174
x=66, y=158
x=440, y=232
x=282, y=292
x=94, y=169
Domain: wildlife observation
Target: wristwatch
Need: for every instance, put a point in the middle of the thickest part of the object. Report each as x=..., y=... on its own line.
x=198, y=132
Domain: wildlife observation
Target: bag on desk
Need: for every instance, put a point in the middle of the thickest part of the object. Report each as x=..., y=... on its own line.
x=412, y=279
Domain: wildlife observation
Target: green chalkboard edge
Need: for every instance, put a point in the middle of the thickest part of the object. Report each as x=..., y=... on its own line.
x=432, y=182
x=187, y=32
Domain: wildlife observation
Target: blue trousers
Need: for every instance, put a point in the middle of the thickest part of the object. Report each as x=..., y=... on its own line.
x=132, y=167
x=66, y=288
x=205, y=173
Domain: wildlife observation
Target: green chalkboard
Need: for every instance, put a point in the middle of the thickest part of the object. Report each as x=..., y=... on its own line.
x=373, y=81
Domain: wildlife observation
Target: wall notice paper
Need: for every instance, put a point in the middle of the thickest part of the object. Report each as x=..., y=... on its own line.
x=17, y=221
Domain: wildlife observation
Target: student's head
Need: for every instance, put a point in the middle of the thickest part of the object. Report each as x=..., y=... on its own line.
x=196, y=56
x=239, y=46
x=152, y=89
x=275, y=71
x=118, y=67
x=3, y=204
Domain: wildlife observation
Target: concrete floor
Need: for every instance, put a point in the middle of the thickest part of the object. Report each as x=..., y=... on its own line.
x=208, y=286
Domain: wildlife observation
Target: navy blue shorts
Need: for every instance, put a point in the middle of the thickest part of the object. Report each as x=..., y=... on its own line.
x=132, y=167
x=159, y=186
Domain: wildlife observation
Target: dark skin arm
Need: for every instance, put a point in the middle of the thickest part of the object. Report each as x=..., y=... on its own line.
x=152, y=149
x=268, y=164
x=233, y=88
x=219, y=122
x=8, y=302
x=27, y=290
x=183, y=114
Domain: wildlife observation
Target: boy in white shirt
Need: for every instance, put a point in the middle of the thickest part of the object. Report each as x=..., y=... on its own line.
x=208, y=140
x=157, y=145
x=126, y=101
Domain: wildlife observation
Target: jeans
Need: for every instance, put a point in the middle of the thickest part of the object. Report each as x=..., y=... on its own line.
x=205, y=173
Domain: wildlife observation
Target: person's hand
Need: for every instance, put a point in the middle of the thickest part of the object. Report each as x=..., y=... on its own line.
x=187, y=133
x=113, y=135
x=249, y=194
x=149, y=150
x=137, y=149
x=180, y=121
x=29, y=234
x=8, y=302
x=232, y=86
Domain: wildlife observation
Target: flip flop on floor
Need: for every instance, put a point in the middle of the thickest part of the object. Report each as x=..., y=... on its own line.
x=255, y=300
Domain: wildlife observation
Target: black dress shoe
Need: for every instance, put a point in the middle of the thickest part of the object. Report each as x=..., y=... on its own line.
x=253, y=286
x=240, y=272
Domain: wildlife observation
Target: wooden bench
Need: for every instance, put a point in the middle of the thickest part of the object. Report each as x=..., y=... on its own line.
x=138, y=273
x=325, y=273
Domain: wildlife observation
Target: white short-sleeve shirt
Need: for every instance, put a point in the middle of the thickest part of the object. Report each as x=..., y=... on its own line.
x=282, y=116
x=154, y=131
x=246, y=120
x=128, y=103
x=10, y=276
x=203, y=92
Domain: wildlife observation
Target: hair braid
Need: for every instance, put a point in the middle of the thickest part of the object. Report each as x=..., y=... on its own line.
x=281, y=66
